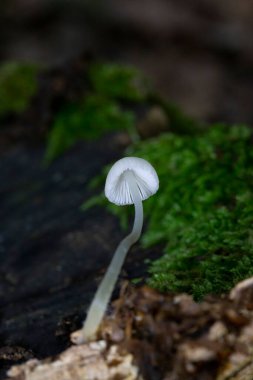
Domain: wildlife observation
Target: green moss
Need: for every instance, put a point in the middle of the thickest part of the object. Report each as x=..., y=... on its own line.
x=203, y=212
x=99, y=112
x=89, y=120
x=18, y=84
x=118, y=81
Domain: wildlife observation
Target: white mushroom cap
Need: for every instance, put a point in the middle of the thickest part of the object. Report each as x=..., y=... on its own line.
x=117, y=189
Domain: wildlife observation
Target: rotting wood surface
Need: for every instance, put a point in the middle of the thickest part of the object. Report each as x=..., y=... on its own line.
x=52, y=253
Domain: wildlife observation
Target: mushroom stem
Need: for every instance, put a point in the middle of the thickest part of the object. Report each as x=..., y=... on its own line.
x=103, y=294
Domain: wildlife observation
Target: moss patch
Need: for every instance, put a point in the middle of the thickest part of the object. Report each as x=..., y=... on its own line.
x=18, y=84
x=100, y=111
x=118, y=82
x=203, y=212
x=88, y=120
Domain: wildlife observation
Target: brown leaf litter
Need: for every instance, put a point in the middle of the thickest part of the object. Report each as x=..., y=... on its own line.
x=153, y=336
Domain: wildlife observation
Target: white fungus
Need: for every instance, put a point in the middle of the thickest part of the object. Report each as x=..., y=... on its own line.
x=130, y=181
x=117, y=188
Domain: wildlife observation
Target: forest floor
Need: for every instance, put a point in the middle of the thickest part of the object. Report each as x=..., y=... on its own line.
x=53, y=255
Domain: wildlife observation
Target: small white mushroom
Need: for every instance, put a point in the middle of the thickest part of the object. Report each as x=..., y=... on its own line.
x=130, y=181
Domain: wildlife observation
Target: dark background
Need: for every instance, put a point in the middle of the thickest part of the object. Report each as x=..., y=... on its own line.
x=199, y=53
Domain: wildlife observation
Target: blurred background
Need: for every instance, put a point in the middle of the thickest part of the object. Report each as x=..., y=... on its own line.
x=198, y=53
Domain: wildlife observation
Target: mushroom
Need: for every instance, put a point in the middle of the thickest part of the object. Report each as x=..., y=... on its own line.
x=130, y=181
